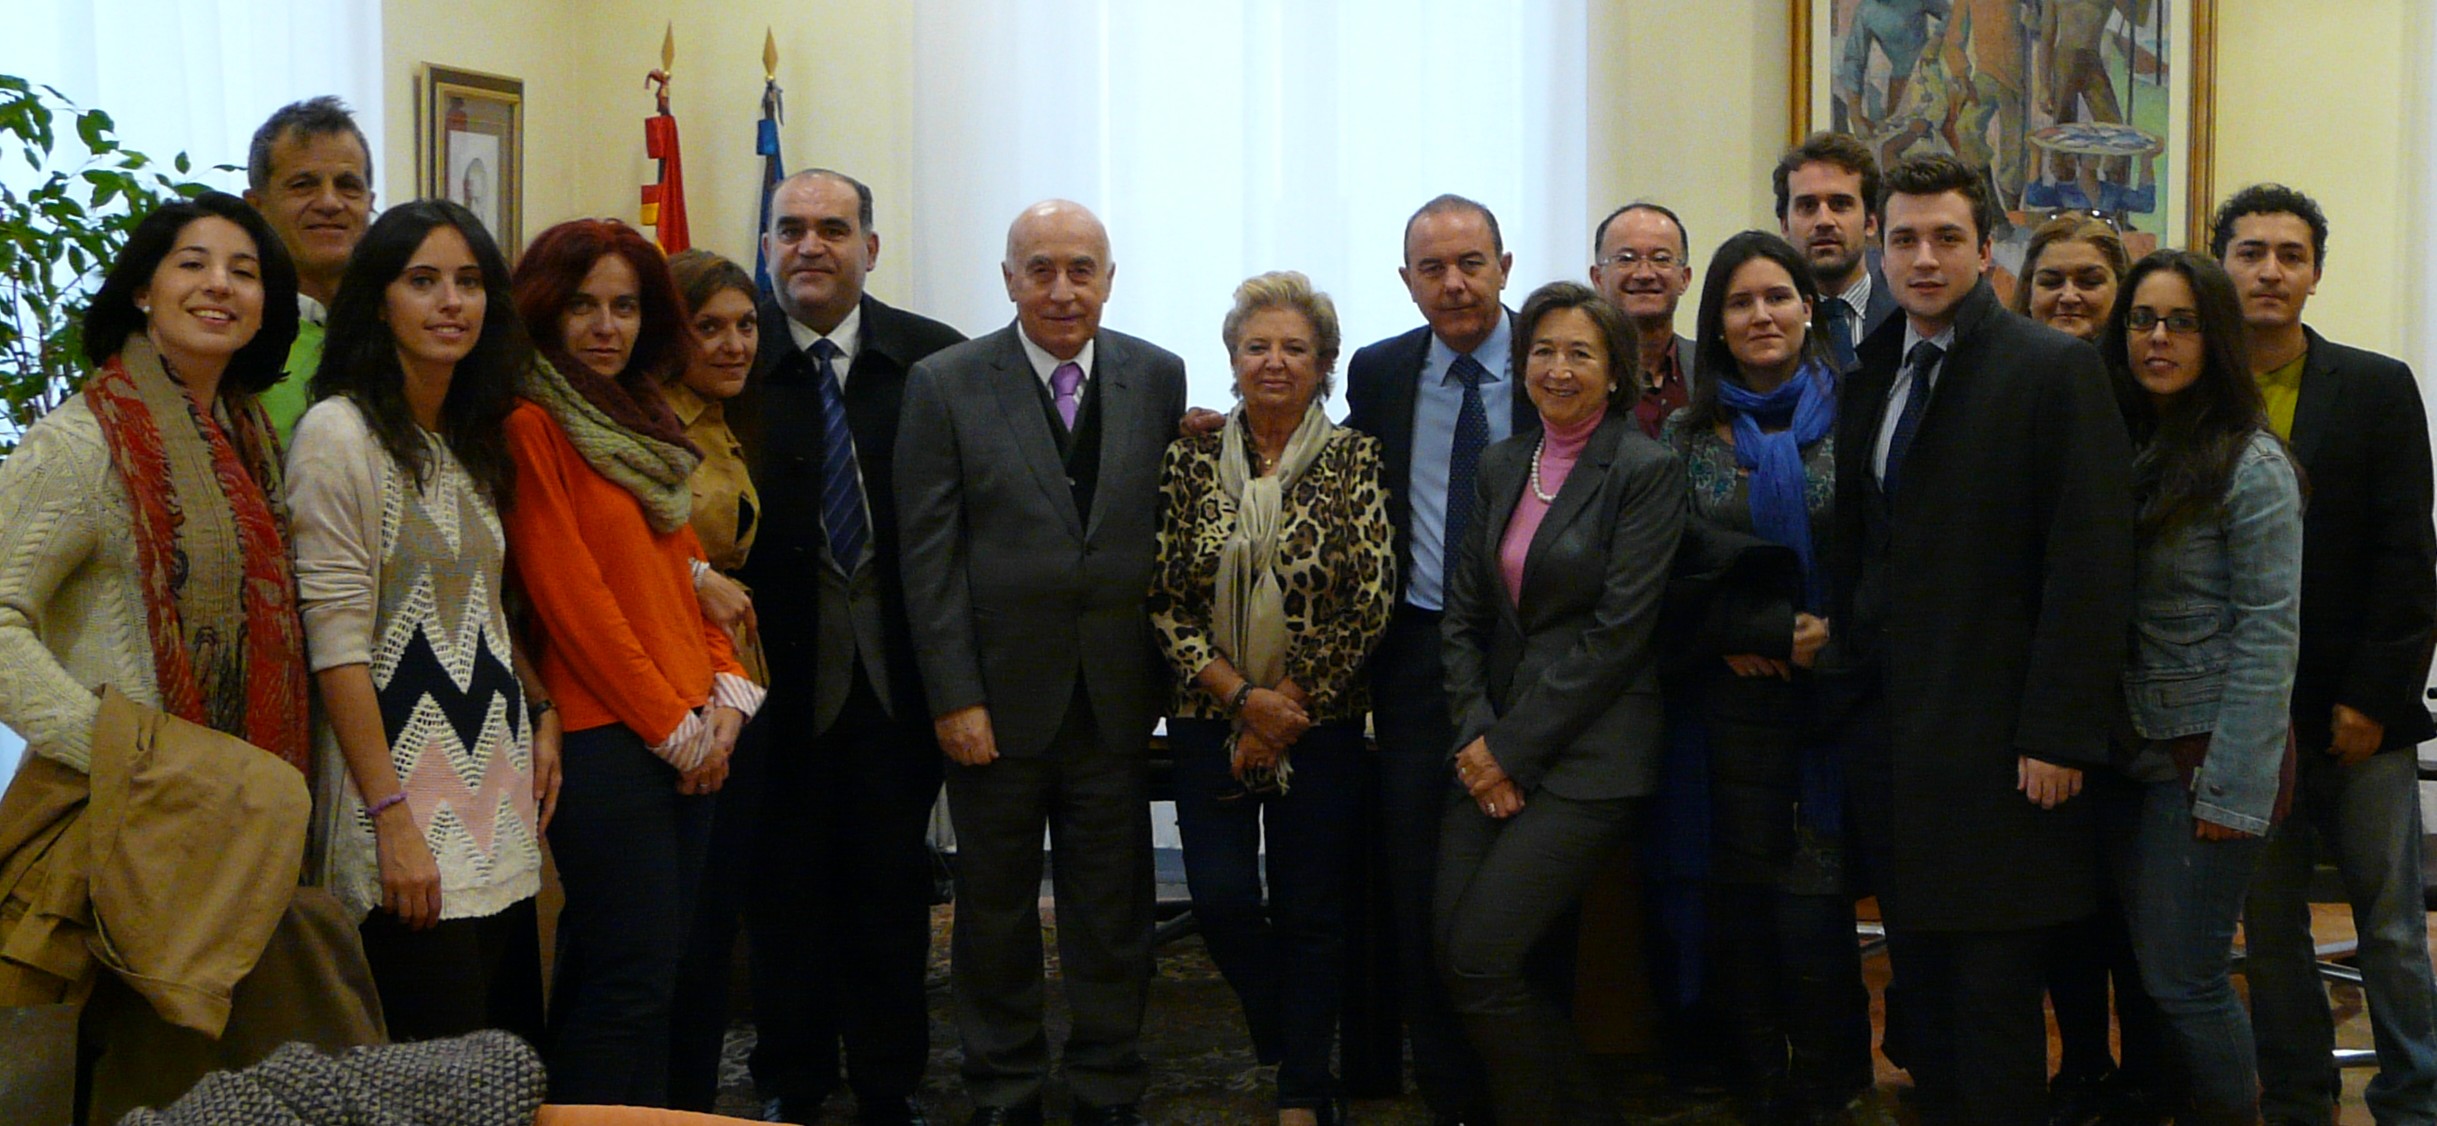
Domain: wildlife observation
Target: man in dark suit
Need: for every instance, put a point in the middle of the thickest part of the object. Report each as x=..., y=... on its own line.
x=1028, y=494
x=1982, y=563
x=1435, y=397
x=1828, y=206
x=1642, y=266
x=2369, y=608
x=843, y=926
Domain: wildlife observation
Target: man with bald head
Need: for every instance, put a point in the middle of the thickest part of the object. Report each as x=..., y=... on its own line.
x=1028, y=498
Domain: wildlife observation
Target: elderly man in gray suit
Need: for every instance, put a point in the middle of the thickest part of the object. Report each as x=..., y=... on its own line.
x=1028, y=495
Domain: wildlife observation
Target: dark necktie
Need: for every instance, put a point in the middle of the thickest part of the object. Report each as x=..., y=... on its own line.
x=842, y=489
x=1924, y=356
x=1464, y=458
x=1836, y=321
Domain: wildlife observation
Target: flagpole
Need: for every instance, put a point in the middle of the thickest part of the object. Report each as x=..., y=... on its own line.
x=765, y=145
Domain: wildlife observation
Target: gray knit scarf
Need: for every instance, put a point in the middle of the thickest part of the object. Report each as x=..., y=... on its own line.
x=656, y=472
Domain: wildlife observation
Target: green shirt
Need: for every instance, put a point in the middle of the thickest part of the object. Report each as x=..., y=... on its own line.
x=287, y=399
x=2279, y=391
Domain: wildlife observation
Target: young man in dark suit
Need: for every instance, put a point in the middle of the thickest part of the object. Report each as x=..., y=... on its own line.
x=2369, y=607
x=1435, y=397
x=841, y=900
x=1982, y=563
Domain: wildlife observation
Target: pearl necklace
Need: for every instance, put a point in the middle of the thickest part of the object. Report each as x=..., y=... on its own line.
x=1545, y=496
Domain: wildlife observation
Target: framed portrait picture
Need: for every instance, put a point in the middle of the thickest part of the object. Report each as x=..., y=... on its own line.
x=470, y=147
x=2093, y=107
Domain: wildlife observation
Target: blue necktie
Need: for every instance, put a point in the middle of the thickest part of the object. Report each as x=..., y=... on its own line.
x=842, y=490
x=1836, y=321
x=1464, y=458
x=1924, y=356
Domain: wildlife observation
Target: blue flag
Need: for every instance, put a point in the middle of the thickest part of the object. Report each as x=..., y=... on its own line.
x=765, y=143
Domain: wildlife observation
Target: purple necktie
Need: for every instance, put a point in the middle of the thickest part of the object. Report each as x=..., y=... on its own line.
x=1063, y=383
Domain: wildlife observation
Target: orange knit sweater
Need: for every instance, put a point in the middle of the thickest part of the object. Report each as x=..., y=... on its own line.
x=620, y=636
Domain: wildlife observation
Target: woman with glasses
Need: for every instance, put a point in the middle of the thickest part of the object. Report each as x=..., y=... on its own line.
x=2070, y=272
x=1275, y=576
x=2214, y=646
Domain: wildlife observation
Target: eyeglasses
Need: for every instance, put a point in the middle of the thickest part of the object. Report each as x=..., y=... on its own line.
x=2179, y=323
x=1627, y=259
x=2087, y=213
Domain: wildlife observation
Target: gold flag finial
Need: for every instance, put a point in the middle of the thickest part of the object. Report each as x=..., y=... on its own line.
x=668, y=47
x=769, y=55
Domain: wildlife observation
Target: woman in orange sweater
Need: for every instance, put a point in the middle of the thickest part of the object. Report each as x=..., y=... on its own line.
x=648, y=691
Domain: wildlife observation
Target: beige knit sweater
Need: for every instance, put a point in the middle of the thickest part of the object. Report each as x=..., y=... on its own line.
x=71, y=610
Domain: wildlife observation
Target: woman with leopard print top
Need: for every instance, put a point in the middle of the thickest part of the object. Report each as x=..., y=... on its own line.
x=1274, y=580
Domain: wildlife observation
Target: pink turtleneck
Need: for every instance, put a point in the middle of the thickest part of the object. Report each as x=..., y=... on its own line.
x=1560, y=448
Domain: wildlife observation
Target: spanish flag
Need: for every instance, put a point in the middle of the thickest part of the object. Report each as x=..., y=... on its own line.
x=664, y=202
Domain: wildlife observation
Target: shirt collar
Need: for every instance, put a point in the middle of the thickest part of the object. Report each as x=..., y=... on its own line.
x=1857, y=295
x=1493, y=354
x=1668, y=371
x=1045, y=365
x=1945, y=340
x=2289, y=376
x=847, y=337
x=310, y=311
x=683, y=402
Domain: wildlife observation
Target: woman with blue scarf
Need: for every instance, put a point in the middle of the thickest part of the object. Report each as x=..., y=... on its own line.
x=1757, y=443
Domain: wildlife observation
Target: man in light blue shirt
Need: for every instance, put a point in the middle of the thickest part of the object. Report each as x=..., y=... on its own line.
x=1435, y=397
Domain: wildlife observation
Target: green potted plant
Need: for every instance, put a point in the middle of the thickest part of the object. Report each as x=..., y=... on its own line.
x=58, y=236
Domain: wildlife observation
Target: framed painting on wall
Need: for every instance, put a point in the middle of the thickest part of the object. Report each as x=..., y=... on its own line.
x=2097, y=107
x=470, y=147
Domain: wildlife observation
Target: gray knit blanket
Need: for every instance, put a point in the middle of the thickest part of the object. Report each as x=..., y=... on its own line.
x=485, y=1079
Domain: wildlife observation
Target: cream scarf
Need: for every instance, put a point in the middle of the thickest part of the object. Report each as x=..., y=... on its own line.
x=1249, y=619
x=656, y=472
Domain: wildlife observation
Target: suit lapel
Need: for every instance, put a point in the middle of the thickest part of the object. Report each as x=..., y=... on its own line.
x=1583, y=485
x=1117, y=416
x=2321, y=384
x=1505, y=493
x=1020, y=405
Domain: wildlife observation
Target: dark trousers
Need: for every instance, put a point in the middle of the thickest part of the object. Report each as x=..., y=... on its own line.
x=841, y=913
x=1285, y=964
x=698, y=1027
x=1416, y=742
x=1094, y=798
x=1502, y=886
x=630, y=853
x=461, y=976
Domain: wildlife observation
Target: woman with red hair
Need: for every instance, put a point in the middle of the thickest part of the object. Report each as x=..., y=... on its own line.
x=648, y=691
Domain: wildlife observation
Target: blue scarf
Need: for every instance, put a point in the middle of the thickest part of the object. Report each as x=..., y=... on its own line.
x=1805, y=406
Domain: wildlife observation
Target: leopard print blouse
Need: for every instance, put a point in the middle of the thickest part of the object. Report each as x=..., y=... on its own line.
x=1336, y=560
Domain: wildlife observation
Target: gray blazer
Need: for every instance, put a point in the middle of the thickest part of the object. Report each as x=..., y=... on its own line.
x=1011, y=594
x=1566, y=684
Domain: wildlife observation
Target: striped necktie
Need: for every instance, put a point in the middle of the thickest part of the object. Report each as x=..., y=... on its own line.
x=842, y=514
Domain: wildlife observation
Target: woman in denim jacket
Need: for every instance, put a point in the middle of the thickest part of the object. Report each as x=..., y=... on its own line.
x=2213, y=649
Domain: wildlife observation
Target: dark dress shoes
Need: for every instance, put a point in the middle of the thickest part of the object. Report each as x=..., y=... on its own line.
x=803, y=1112
x=1023, y=1114
x=890, y=1112
x=1121, y=1114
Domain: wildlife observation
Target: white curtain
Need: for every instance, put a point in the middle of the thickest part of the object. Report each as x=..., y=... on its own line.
x=198, y=76
x=192, y=76
x=1222, y=138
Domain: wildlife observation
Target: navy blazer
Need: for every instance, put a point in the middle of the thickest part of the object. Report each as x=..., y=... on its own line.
x=1565, y=683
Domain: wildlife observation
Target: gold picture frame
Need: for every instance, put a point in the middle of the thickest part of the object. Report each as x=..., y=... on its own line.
x=470, y=147
x=2150, y=65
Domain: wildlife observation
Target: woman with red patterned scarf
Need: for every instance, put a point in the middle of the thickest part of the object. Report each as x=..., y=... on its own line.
x=143, y=534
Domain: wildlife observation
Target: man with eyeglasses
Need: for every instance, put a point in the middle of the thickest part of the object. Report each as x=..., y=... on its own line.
x=2369, y=608
x=1642, y=268
x=1827, y=206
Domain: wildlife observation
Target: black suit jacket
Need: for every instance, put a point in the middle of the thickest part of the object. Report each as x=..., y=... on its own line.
x=1381, y=383
x=2369, y=556
x=1565, y=684
x=779, y=427
x=1882, y=299
x=1989, y=600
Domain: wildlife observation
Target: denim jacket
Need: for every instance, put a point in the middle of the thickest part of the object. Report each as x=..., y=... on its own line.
x=2216, y=634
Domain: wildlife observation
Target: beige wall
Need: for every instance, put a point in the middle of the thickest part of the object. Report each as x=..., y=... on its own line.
x=2318, y=93
x=1687, y=106
x=846, y=67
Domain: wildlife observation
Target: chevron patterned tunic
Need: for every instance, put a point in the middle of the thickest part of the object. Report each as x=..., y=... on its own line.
x=408, y=579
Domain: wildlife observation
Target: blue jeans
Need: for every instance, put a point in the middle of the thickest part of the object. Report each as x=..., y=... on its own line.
x=2367, y=818
x=2182, y=896
x=1285, y=964
x=630, y=853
